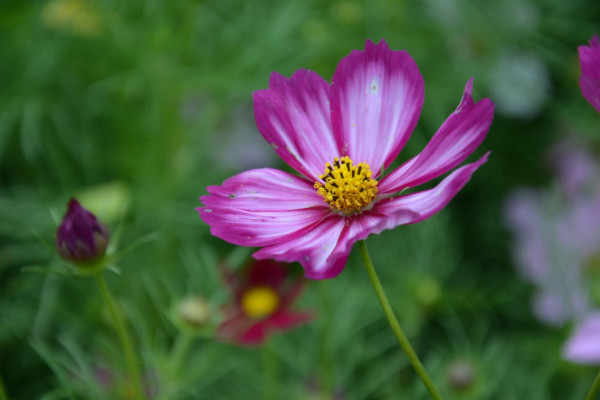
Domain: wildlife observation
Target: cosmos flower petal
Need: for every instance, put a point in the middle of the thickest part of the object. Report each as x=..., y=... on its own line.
x=416, y=207
x=589, y=82
x=550, y=308
x=262, y=207
x=525, y=218
x=289, y=319
x=267, y=273
x=257, y=333
x=312, y=249
x=254, y=335
x=457, y=138
x=244, y=331
x=403, y=210
x=263, y=189
x=377, y=96
x=293, y=115
x=324, y=250
x=575, y=167
x=291, y=293
x=583, y=347
x=234, y=328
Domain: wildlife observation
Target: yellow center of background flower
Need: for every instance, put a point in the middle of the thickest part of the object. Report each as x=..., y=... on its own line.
x=260, y=301
x=348, y=188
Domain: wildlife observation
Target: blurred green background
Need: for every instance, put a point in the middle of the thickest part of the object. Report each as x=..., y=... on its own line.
x=135, y=107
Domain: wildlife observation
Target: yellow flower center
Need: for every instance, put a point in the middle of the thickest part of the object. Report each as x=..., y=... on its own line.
x=260, y=301
x=348, y=188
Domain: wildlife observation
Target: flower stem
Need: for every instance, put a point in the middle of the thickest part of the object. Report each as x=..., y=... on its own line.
x=393, y=321
x=122, y=333
x=325, y=383
x=179, y=351
x=3, y=395
x=594, y=389
x=270, y=373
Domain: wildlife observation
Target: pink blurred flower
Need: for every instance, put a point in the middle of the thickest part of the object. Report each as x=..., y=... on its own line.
x=575, y=168
x=263, y=296
x=589, y=59
x=557, y=233
x=583, y=347
x=340, y=138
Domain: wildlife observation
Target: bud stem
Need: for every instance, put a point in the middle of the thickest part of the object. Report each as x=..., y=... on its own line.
x=594, y=389
x=393, y=321
x=270, y=373
x=179, y=350
x=123, y=334
x=3, y=395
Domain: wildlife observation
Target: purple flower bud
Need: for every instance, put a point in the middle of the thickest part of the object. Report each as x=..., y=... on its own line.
x=81, y=238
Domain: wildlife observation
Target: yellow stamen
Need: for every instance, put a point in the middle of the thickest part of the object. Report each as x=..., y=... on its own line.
x=347, y=188
x=260, y=301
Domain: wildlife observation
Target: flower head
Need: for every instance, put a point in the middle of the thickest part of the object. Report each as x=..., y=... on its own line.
x=80, y=237
x=262, y=298
x=557, y=234
x=340, y=137
x=589, y=82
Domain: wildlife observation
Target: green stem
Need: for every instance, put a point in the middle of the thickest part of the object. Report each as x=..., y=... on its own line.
x=326, y=358
x=3, y=395
x=179, y=350
x=594, y=389
x=270, y=373
x=393, y=321
x=124, y=338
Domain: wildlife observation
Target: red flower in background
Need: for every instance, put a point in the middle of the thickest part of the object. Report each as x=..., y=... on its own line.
x=263, y=295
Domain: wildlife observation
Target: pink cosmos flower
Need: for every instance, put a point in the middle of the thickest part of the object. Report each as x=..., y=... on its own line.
x=589, y=58
x=263, y=296
x=340, y=137
x=583, y=347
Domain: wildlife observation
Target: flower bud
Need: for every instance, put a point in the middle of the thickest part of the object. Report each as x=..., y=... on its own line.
x=460, y=375
x=428, y=291
x=81, y=238
x=195, y=312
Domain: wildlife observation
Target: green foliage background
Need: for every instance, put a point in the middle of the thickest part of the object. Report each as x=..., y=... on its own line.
x=135, y=107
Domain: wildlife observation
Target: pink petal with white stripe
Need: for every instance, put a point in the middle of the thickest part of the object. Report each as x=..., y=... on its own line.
x=456, y=139
x=403, y=210
x=324, y=250
x=313, y=249
x=416, y=207
x=377, y=96
x=293, y=115
x=262, y=207
x=589, y=58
